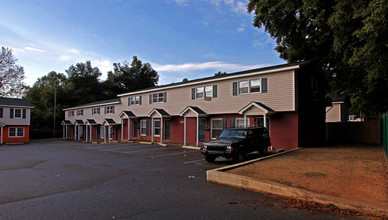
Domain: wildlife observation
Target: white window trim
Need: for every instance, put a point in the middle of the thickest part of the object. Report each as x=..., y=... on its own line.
x=96, y=111
x=211, y=126
x=134, y=100
x=154, y=128
x=236, y=119
x=70, y=113
x=16, y=132
x=249, y=86
x=109, y=109
x=14, y=113
x=80, y=112
x=158, y=96
x=204, y=92
x=141, y=124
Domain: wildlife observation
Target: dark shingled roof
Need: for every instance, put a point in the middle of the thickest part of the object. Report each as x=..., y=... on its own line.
x=161, y=111
x=110, y=121
x=98, y=103
x=338, y=97
x=80, y=122
x=91, y=121
x=66, y=122
x=15, y=102
x=129, y=113
x=194, y=108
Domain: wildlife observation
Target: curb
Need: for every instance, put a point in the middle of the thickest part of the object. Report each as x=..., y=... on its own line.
x=219, y=176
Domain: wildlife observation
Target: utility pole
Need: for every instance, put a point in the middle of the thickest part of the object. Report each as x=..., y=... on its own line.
x=55, y=107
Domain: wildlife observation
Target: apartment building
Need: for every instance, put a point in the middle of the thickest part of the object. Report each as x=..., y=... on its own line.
x=14, y=120
x=288, y=99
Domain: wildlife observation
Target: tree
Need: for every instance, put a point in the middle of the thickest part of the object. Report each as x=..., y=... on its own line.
x=129, y=77
x=83, y=85
x=347, y=38
x=11, y=75
x=220, y=73
x=41, y=95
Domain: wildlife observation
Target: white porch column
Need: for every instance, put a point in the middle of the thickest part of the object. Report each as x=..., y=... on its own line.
x=104, y=134
x=63, y=133
x=79, y=132
x=86, y=131
x=197, y=136
x=265, y=120
x=109, y=134
x=122, y=129
x=129, y=125
x=91, y=129
x=161, y=130
x=152, y=130
x=245, y=120
x=184, y=130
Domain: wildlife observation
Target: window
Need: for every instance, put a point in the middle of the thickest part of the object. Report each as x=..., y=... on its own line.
x=254, y=85
x=216, y=127
x=70, y=113
x=80, y=112
x=1, y=112
x=16, y=132
x=243, y=87
x=157, y=127
x=199, y=92
x=134, y=100
x=143, y=127
x=250, y=86
x=158, y=97
x=18, y=113
x=96, y=111
x=209, y=91
x=239, y=123
x=109, y=109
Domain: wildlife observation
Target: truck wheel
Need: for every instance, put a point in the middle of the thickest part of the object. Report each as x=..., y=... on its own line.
x=210, y=158
x=239, y=158
x=263, y=151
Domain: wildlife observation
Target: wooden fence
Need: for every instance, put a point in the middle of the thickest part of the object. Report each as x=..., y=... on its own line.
x=368, y=132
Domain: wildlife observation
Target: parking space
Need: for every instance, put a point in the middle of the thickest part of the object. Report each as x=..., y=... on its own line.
x=73, y=180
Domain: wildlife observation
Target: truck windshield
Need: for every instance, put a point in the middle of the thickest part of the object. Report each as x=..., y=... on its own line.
x=234, y=134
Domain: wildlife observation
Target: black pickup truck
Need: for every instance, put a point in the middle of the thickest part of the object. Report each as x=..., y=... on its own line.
x=236, y=143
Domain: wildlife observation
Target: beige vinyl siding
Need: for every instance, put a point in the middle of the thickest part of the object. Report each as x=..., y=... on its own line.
x=280, y=97
x=333, y=114
x=15, y=121
x=99, y=118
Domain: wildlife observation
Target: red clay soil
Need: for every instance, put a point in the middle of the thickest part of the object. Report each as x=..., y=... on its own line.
x=357, y=173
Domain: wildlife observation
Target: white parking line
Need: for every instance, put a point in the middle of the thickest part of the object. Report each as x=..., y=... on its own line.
x=136, y=151
x=193, y=161
x=166, y=155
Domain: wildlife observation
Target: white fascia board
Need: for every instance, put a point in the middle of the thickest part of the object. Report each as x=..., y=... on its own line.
x=212, y=80
x=89, y=106
x=15, y=106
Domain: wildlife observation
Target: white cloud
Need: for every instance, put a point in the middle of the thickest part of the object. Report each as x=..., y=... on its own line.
x=241, y=28
x=34, y=49
x=220, y=66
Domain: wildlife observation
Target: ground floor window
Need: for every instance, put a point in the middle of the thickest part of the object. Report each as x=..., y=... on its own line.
x=239, y=122
x=16, y=132
x=157, y=127
x=216, y=127
x=143, y=127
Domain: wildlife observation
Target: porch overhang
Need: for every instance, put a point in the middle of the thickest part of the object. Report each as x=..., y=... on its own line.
x=159, y=113
x=90, y=122
x=66, y=122
x=256, y=108
x=194, y=110
x=2, y=124
x=127, y=114
x=109, y=121
x=78, y=122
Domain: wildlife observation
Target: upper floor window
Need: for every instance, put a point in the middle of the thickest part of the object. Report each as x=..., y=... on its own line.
x=80, y=112
x=250, y=86
x=134, y=100
x=158, y=97
x=1, y=112
x=17, y=113
x=96, y=111
x=204, y=92
x=70, y=113
x=109, y=109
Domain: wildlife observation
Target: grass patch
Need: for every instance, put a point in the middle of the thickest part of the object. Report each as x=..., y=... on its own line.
x=315, y=174
x=284, y=182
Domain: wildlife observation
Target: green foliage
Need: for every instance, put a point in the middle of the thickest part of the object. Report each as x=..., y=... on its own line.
x=220, y=73
x=347, y=38
x=129, y=77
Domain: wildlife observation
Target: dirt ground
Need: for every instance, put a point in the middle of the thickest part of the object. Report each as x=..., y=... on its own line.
x=356, y=173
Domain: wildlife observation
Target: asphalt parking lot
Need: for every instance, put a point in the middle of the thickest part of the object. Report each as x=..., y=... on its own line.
x=73, y=180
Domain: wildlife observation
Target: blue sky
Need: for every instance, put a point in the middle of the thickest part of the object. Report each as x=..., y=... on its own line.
x=179, y=38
